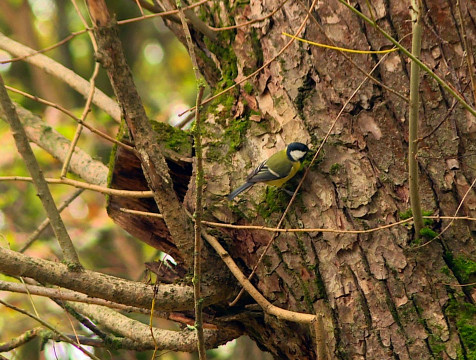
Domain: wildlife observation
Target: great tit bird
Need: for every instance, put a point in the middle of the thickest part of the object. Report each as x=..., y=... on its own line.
x=278, y=169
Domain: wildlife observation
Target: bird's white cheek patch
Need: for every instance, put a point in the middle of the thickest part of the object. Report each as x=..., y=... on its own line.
x=297, y=154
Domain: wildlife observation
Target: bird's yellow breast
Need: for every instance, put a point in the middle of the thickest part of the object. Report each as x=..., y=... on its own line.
x=280, y=182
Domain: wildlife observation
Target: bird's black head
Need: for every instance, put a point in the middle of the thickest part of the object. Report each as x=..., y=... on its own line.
x=296, y=151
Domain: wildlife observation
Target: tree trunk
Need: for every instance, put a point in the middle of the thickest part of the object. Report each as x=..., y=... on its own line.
x=377, y=296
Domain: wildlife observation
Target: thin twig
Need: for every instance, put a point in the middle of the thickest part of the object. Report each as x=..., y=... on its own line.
x=448, y=113
x=338, y=48
x=79, y=128
x=71, y=115
x=140, y=7
x=460, y=285
x=199, y=180
x=89, y=324
x=52, y=328
x=151, y=320
x=87, y=107
x=439, y=80
x=302, y=230
x=59, y=43
x=35, y=234
x=62, y=73
x=164, y=13
x=29, y=296
x=41, y=185
x=84, y=185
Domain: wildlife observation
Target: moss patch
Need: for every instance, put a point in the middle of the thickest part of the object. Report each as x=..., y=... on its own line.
x=225, y=55
x=335, y=168
x=248, y=88
x=275, y=202
x=463, y=268
x=428, y=233
x=235, y=133
x=174, y=139
x=466, y=268
x=404, y=215
x=464, y=315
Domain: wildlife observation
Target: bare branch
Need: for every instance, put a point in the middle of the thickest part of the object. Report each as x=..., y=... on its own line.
x=24, y=148
x=71, y=115
x=20, y=340
x=169, y=297
x=54, y=68
x=69, y=295
x=120, y=343
x=57, y=145
x=184, y=340
x=52, y=328
x=32, y=238
x=255, y=294
x=83, y=185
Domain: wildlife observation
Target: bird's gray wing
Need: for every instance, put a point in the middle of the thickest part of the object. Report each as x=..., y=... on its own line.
x=263, y=173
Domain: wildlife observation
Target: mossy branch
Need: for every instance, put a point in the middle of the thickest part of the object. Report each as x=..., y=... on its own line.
x=413, y=118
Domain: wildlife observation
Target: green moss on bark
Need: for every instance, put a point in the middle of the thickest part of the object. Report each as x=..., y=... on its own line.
x=174, y=139
x=464, y=315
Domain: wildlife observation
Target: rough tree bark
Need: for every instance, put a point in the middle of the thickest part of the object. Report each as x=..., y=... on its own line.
x=378, y=297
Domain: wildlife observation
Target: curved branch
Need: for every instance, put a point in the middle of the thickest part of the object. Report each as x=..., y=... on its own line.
x=184, y=340
x=61, y=72
x=269, y=308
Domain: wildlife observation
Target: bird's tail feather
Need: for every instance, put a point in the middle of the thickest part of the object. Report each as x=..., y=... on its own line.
x=239, y=190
